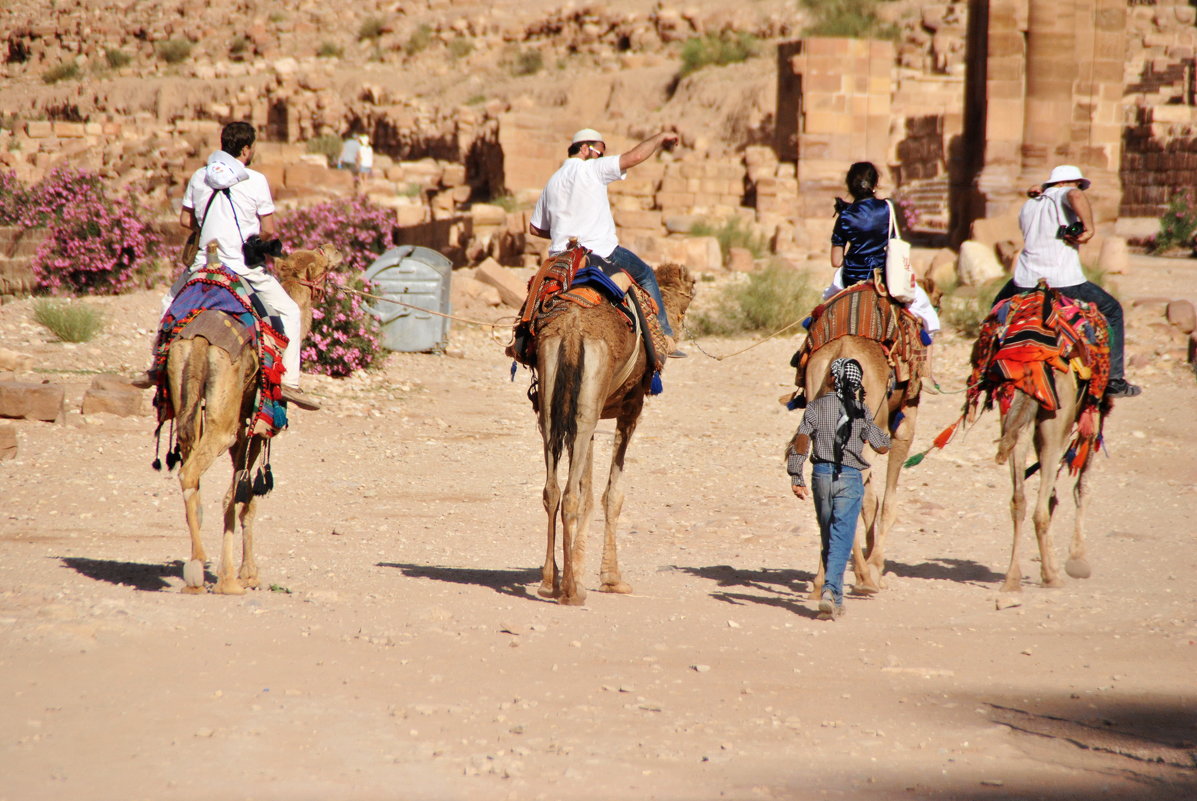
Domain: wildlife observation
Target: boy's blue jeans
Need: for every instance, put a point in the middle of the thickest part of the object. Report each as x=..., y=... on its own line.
x=837, y=507
x=623, y=259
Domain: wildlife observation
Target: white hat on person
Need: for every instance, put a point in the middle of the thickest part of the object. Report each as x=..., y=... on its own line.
x=1066, y=172
x=587, y=135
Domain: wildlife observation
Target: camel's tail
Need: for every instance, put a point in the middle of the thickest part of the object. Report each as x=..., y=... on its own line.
x=562, y=420
x=1019, y=416
x=188, y=408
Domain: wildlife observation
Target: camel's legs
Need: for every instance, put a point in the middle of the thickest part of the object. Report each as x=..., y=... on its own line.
x=196, y=463
x=248, y=574
x=586, y=502
x=550, y=586
x=1018, y=509
x=900, y=444
x=573, y=542
x=1077, y=565
x=1051, y=448
x=613, y=504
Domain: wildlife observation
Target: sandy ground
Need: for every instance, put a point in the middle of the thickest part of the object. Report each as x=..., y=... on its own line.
x=401, y=652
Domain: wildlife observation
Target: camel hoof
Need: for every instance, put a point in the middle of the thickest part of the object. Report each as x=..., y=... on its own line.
x=193, y=573
x=546, y=591
x=620, y=587
x=1008, y=601
x=1078, y=568
x=865, y=588
x=231, y=587
x=250, y=582
x=193, y=590
x=577, y=599
x=1053, y=584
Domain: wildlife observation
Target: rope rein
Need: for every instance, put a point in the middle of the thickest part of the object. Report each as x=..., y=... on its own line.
x=502, y=322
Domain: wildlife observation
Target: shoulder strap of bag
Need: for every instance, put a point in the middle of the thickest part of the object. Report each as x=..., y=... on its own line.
x=233, y=209
x=207, y=209
x=893, y=223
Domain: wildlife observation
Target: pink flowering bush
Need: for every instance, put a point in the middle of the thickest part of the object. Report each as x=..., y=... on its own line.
x=95, y=242
x=1178, y=224
x=344, y=335
x=360, y=229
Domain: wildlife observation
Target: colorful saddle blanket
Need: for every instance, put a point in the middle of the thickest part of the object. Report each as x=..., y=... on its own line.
x=218, y=289
x=1030, y=337
x=566, y=279
x=862, y=311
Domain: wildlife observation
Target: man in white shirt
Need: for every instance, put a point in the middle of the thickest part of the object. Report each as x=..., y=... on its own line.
x=574, y=205
x=229, y=203
x=1055, y=221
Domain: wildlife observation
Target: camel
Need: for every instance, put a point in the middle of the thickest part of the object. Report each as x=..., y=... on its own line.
x=591, y=366
x=213, y=395
x=878, y=511
x=1051, y=431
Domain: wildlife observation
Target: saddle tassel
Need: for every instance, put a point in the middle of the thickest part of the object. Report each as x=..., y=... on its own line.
x=655, y=387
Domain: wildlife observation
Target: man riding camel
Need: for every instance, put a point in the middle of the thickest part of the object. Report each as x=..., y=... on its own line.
x=574, y=205
x=228, y=203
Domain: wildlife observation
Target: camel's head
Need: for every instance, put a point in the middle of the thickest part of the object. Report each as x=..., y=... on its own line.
x=934, y=293
x=302, y=273
x=677, y=290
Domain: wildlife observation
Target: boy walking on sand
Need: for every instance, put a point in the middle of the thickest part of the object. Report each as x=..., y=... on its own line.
x=834, y=428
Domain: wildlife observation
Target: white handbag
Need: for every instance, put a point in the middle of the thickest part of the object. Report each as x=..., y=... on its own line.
x=899, y=275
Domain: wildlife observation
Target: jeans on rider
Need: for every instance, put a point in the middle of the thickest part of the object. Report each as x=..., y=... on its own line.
x=1106, y=303
x=623, y=259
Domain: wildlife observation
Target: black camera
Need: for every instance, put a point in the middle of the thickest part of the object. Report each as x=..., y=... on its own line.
x=256, y=249
x=1071, y=231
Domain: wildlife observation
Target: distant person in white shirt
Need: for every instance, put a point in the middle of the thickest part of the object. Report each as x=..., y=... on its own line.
x=348, y=158
x=228, y=203
x=365, y=156
x=574, y=205
x=1055, y=221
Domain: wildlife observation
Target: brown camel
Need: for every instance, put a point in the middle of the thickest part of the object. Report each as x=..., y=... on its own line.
x=1051, y=430
x=878, y=511
x=591, y=366
x=213, y=394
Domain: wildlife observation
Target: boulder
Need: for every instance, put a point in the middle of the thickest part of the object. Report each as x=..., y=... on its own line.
x=487, y=214
x=991, y=230
x=11, y=361
x=1007, y=253
x=943, y=267
x=702, y=254
x=1182, y=315
x=31, y=401
x=113, y=395
x=978, y=263
x=740, y=260
x=8, y=442
x=1114, y=256
x=511, y=289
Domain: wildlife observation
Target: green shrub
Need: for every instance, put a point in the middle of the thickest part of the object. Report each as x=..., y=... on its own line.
x=174, y=51
x=238, y=47
x=475, y=100
x=963, y=309
x=717, y=50
x=276, y=17
x=526, y=62
x=371, y=28
x=733, y=233
x=507, y=203
x=328, y=146
x=769, y=300
x=419, y=40
x=69, y=321
x=853, y=19
x=66, y=71
x=117, y=58
x=460, y=47
x=329, y=50
x=410, y=189
x=1178, y=224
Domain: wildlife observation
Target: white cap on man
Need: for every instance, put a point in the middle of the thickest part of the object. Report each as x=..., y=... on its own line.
x=587, y=135
x=1066, y=172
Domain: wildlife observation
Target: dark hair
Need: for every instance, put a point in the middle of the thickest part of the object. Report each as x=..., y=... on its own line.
x=237, y=136
x=576, y=148
x=862, y=180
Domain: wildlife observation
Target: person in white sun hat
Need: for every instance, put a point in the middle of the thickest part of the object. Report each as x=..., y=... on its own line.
x=574, y=205
x=1055, y=221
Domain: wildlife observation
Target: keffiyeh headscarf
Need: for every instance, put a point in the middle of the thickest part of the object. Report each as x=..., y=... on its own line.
x=849, y=389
